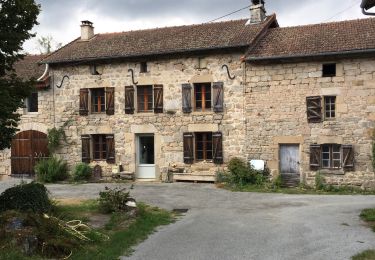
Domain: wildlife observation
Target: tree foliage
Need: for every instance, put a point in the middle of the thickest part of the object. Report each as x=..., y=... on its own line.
x=46, y=44
x=17, y=18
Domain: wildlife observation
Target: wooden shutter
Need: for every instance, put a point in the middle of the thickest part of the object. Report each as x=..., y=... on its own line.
x=129, y=100
x=218, y=96
x=110, y=101
x=85, y=148
x=83, y=102
x=348, y=157
x=158, y=99
x=314, y=109
x=186, y=98
x=110, y=143
x=188, y=148
x=315, y=156
x=217, y=142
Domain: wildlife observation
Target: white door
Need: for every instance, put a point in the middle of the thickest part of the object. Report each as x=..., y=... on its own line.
x=145, y=157
x=289, y=159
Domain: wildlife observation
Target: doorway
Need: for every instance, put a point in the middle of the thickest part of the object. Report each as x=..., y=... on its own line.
x=145, y=156
x=290, y=164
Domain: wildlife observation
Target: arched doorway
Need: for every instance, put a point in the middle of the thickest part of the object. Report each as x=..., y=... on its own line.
x=27, y=148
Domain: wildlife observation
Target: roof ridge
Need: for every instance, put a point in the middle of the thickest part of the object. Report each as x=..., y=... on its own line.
x=325, y=23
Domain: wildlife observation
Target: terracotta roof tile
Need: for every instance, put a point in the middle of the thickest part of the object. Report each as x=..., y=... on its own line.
x=28, y=67
x=160, y=41
x=316, y=39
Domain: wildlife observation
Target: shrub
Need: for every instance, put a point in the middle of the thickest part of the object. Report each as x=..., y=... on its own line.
x=277, y=182
x=112, y=200
x=319, y=181
x=242, y=173
x=82, y=171
x=26, y=197
x=51, y=170
x=222, y=176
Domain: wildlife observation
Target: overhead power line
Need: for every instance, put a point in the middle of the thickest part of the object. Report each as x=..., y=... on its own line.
x=229, y=14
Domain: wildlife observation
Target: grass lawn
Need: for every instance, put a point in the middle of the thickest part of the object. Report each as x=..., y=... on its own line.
x=367, y=215
x=328, y=190
x=122, y=231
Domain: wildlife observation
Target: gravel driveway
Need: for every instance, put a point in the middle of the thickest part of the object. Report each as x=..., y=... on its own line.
x=230, y=225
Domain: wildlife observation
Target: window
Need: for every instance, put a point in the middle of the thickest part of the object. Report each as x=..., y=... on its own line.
x=97, y=100
x=32, y=102
x=330, y=107
x=202, y=96
x=143, y=67
x=331, y=156
x=329, y=70
x=201, y=146
x=98, y=147
x=149, y=99
x=144, y=97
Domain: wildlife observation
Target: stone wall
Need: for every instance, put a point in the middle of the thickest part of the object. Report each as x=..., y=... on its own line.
x=39, y=121
x=168, y=128
x=276, y=114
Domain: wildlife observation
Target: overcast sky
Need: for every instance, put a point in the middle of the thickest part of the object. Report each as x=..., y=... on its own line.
x=61, y=19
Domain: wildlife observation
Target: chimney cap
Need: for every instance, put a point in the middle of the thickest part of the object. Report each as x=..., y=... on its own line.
x=86, y=22
x=257, y=2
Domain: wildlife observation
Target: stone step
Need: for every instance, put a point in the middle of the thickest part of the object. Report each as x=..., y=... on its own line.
x=193, y=177
x=290, y=180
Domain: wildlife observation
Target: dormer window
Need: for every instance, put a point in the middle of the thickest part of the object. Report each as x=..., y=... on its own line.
x=329, y=70
x=143, y=67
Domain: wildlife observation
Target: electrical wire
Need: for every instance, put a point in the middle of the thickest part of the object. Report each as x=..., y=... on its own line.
x=343, y=11
x=243, y=8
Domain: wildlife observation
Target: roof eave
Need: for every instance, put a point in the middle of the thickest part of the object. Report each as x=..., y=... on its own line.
x=119, y=57
x=273, y=59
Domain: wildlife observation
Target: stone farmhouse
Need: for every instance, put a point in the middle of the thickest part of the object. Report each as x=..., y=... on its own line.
x=183, y=100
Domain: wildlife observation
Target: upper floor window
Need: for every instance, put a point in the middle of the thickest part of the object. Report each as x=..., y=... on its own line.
x=329, y=107
x=143, y=68
x=329, y=70
x=97, y=100
x=316, y=113
x=148, y=99
x=32, y=102
x=144, y=99
x=203, y=97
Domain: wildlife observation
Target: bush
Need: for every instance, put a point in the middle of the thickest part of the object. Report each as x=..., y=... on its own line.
x=242, y=173
x=26, y=197
x=112, y=200
x=319, y=182
x=82, y=171
x=51, y=170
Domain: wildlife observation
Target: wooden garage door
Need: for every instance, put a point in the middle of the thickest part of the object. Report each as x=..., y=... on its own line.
x=27, y=148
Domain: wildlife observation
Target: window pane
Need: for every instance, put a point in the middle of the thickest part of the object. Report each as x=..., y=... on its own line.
x=97, y=100
x=325, y=163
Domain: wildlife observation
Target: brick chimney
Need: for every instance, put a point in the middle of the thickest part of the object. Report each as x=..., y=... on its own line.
x=87, y=30
x=257, y=11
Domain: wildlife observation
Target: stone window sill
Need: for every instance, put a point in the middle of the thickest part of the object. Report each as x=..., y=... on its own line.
x=332, y=171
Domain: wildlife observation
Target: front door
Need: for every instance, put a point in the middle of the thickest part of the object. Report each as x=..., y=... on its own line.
x=289, y=160
x=27, y=149
x=145, y=157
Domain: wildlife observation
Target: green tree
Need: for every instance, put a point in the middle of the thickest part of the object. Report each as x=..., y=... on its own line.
x=46, y=44
x=17, y=18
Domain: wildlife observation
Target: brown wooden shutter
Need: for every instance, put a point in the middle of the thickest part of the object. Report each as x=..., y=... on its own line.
x=85, y=148
x=217, y=142
x=348, y=157
x=83, y=102
x=188, y=148
x=158, y=99
x=129, y=100
x=110, y=143
x=186, y=98
x=218, y=96
x=110, y=101
x=315, y=156
x=314, y=109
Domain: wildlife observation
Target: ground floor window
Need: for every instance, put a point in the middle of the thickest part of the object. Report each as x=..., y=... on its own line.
x=203, y=146
x=98, y=147
x=331, y=156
